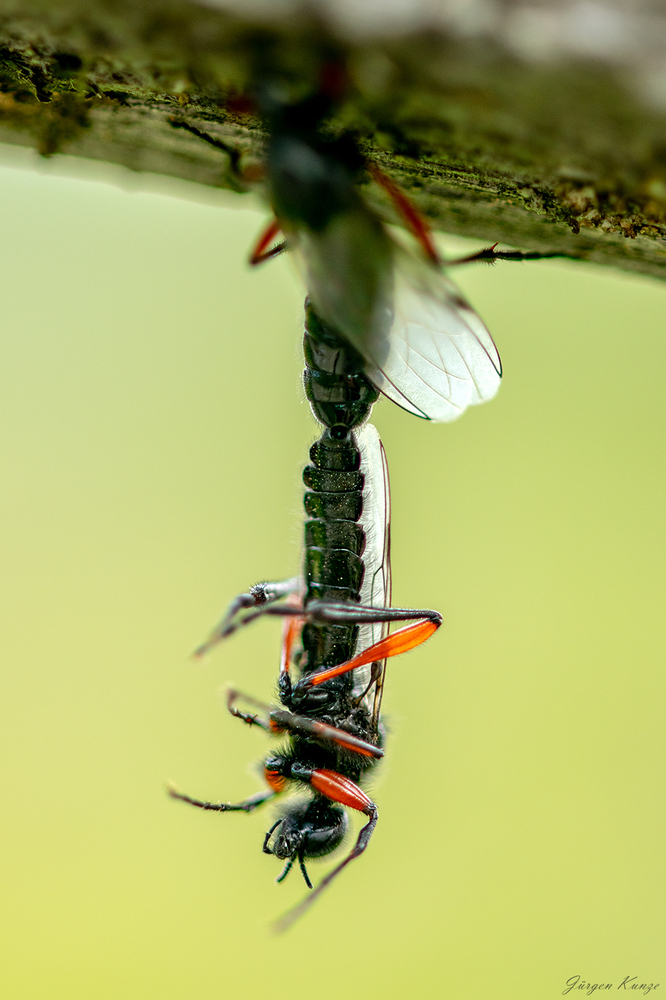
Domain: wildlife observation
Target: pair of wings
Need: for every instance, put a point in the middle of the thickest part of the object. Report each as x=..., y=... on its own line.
x=424, y=346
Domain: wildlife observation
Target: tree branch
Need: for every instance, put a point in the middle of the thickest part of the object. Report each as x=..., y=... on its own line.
x=565, y=153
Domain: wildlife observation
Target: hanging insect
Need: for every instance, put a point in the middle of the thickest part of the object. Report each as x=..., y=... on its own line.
x=338, y=614
x=379, y=318
x=422, y=344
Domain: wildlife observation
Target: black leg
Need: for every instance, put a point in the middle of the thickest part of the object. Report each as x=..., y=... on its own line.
x=333, y=613
x=329, y=613
x=278, y=719
x=259, y=258
x=269, y=835
x=283, y=719
x=490, y=255
x=260, y=597
x=248, y=805
x=250, y=719
x=301, y=861
x=233, y=154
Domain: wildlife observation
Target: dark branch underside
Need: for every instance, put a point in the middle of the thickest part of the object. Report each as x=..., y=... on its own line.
x=559, y=157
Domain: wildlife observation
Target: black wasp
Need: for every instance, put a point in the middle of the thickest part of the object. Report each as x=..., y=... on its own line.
x=378, y=318
x=337, y=616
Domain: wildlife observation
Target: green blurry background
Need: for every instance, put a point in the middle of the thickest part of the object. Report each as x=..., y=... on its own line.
x=153, y=430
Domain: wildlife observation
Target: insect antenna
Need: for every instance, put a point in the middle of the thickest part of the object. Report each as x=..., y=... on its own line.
x=301, y=861
x=281, y=925
x=285, y=871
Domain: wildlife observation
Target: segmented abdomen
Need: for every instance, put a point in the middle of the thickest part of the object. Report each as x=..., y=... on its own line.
x=334, y=544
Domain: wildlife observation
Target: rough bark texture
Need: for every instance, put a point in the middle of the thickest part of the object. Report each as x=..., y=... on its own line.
x=561, y=155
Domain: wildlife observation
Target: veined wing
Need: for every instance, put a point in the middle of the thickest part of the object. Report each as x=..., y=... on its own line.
x=425, y=347
x=376, y=523
x=441, y=358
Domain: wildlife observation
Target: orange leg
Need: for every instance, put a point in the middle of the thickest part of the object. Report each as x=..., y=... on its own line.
x=260, y=252
x=398, y=642
x=291, y=629
x=280, y=720
x=409, y=212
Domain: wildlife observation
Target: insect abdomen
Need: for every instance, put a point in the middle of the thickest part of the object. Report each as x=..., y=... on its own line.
x=334, y=540
x=337, y=389
x=334, y=543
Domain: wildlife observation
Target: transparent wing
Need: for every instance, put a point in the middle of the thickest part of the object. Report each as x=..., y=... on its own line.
x=376, y=523
x=426, y=348
x=441, y=358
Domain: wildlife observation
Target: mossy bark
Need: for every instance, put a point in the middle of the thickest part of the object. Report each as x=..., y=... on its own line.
x=560, y=156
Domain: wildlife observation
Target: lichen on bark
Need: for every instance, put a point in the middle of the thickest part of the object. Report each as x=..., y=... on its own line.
x=561, y=155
